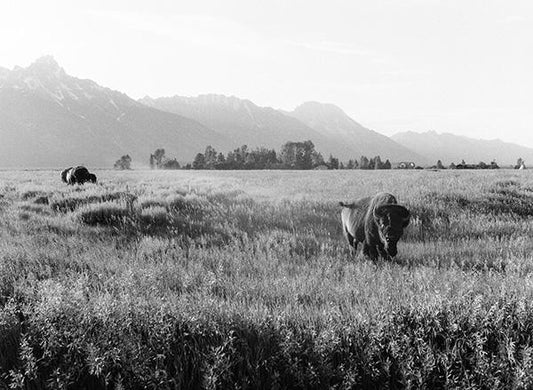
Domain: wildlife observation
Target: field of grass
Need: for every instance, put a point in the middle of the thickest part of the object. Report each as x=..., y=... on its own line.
x=201, y=279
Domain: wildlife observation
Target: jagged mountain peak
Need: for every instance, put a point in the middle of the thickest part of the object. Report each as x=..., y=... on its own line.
x=320, y=108
x=46, y=62
x=324, y=115
x=46, y=78
x=45, y=69
x=49, y=118
x=331, y=121
x=213, y=100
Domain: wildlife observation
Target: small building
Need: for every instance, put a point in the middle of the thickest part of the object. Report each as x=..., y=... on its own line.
x=406, y=165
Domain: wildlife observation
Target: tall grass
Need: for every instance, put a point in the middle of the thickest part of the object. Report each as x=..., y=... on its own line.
x=242, y=280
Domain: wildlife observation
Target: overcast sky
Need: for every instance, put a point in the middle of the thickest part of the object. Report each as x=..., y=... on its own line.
x=464, y=67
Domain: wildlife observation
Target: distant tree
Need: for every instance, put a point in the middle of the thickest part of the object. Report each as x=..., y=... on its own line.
x=170, y=164
x=261, y=158
x=439, y=165
x=156, y=159
x=299, y=155
x=291, y=155
x=452, y=166
x=221, y=161
x=333, y=162
x=199, y=162
x=341, y=166
x=482, y=165
x=364, y=163
x=378, y=164
x=494, y=165
x=123, y=163
x=387, y=165
x=237, y=158
x=519, y=163
x=317, y=159
x=210, y=157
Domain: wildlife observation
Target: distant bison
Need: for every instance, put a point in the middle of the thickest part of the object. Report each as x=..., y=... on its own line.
x=77, y=175
x=377, y=222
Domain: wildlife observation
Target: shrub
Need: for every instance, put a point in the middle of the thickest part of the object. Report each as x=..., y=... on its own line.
x=72, y=203
x=107, y=214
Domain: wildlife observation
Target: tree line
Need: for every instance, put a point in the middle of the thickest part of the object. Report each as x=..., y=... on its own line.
x=293, y=155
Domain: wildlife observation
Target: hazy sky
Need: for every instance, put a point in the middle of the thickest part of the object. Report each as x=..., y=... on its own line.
x=464, y=67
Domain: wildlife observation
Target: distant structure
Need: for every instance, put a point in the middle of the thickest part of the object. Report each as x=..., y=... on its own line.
x=406, y=165
x=480, y=165
x=520, y=164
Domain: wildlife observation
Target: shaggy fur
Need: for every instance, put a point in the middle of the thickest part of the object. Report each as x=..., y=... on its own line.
x=91, y=177
x=64, y=174
x=377, y=222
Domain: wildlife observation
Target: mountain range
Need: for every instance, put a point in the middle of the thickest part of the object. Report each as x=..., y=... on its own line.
x=454, y=148
x=243, y=122
x=51, y=119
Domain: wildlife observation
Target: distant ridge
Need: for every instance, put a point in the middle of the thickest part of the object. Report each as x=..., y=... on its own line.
x=240, y=120
x=51, y=119
x=454, y=148
x=243, y=122
x=332, y=122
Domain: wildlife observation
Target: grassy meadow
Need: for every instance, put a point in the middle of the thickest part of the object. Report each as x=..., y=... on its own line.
x=205, y=279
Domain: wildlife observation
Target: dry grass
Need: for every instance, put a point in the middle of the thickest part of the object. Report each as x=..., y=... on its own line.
x=241, y=279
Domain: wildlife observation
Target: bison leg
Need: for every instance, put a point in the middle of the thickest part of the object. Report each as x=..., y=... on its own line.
x=370, y=251
x=382, y=252
x=351, y=241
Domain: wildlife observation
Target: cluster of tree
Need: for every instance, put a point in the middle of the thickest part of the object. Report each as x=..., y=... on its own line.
x=464, y=165
x=158, y=160
x=123, y=163
x=293, y=155
x=240, y=158
x=372, y=163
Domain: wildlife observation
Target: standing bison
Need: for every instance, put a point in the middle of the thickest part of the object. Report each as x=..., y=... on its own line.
x=377, y=222
x=78, y=175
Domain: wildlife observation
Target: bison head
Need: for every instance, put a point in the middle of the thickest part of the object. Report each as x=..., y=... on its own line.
x=391, y=219
x=64, y=174
x=91, y=177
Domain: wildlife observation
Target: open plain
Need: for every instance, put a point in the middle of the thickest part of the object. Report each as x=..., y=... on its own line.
x=220, y=279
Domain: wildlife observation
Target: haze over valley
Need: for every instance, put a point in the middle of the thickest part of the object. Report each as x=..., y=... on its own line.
x=49, y=118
